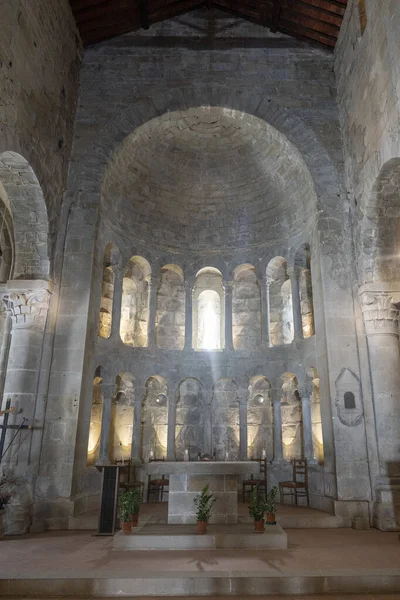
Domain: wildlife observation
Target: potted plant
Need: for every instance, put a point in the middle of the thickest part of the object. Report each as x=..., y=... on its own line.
x=8, y=485
x=204, y=504
x=125, y=505
x=257, y=509
x=270, y=505
x=136, y=493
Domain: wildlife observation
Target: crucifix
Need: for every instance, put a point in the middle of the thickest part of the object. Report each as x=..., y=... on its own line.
x=9, y=409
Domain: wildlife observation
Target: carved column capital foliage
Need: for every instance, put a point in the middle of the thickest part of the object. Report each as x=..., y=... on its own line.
x=381, y=315
x=28, y=306
x=228, y=287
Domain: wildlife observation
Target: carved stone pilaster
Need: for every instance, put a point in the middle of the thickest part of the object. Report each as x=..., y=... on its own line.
x=380, y=312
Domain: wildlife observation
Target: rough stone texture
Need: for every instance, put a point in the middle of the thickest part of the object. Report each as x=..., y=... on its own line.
x=367, y=67
x=40, y=52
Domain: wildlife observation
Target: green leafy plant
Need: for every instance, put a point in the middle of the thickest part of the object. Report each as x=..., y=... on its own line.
x=204, y=504
x=136, y=493
x=257, y=505
x=270, y=503
x=125, y=504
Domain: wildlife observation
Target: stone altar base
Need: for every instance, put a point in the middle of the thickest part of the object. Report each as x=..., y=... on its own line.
x=184, y=537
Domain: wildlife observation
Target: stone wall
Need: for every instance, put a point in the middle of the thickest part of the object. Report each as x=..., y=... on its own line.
x=40, y=53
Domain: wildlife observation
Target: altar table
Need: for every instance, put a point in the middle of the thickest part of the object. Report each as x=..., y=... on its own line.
x=187, y=479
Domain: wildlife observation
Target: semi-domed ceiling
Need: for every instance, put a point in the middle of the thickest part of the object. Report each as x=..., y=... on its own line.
x=207, y=179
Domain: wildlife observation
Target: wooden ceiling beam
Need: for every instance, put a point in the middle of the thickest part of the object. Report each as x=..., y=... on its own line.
x=276, y=15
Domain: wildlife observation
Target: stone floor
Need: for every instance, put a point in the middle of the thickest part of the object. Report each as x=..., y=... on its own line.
x=317, y=560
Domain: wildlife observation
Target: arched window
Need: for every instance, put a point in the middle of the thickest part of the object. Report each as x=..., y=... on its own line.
x=135, y=303
x=260, y=434
x=190, y=419
x=303, y=272
x=246, y=308
x=111, y=258
x=155, y=419
x=225, y=420
x=170, y=315
x=96, y=415
x=292, y=418
x=280, y=302
x=208, y=310
x=120, y=442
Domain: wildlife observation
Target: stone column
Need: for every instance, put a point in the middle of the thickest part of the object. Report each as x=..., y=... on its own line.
x=107, y=391
x=381, y=318
x=208, y=445
x=305, y=394
x=117, y=300
x=243, y=396
x=297, y=319
x=276, y=402
x=265, y=324
x=173, y=396
x=228, y=288
x=153, y=285
x=137, y=427
x=188, y=318
x=28, y=303
x=5, y=336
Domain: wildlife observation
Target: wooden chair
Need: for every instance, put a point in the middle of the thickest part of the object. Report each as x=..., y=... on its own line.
x=261, y=483
x=156, y=487
x=131, y=482
x=299, y=486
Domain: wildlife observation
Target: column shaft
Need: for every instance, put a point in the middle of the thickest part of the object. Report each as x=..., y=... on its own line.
x=243, y=429
x=265, y=325
x=137, y=430
x=116, y=308
x=172, y=400
x=228, y=286
x=307, y=428
x=107, y=392
x=188, y=316
x=151, y=340
x=278, y=450
x=297, y=318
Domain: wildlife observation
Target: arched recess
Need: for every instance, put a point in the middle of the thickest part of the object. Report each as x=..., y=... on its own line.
x=303, y=272
x=380, y=227
x=190, y=419
x=135, y=303
x=259, y=419
x=110, y=263
x=280, y=302
x=292, y=418
x=170, y=314
x=120, y=442
x=246, y=308
x=225, y=420
x=96, y=413
x=316, y=419
x=155, y=419
x=22, y=196
x=208, y=310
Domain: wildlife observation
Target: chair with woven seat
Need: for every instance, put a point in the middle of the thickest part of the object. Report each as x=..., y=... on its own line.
x=298, y=487
x=156, y=487
x=131, y=483
x=261, y=482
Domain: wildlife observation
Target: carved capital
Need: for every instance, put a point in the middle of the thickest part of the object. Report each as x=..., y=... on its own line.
x=28, y=303
x=381, y=315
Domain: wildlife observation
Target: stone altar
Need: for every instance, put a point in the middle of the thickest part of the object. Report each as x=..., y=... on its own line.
x=187, y=479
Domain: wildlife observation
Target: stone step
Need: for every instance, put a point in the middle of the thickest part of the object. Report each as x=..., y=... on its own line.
x=203, y=584
x=183, y=537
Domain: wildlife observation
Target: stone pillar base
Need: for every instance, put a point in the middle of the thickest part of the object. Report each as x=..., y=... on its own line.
x=386, y=510
x=347, y=510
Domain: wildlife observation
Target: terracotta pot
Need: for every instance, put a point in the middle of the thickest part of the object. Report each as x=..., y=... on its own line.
x=270, y=519
x=126, y=526
x=259, y=526
x=201, y=526
x=135, y=520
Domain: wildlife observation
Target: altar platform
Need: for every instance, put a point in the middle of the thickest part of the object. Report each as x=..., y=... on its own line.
x=82, y=565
